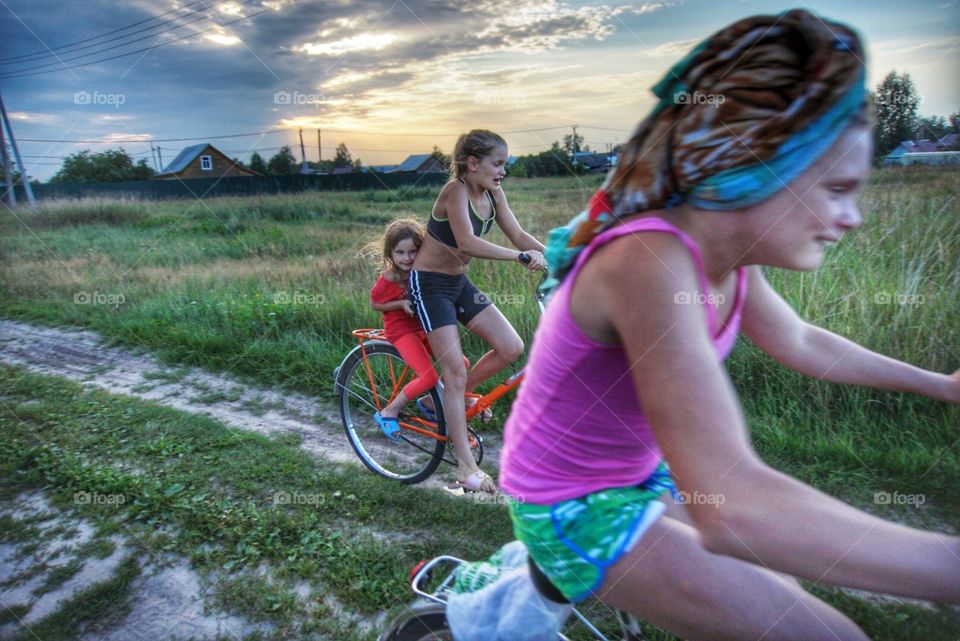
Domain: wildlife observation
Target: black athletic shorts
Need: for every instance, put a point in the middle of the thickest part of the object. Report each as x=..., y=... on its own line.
x=442, y=299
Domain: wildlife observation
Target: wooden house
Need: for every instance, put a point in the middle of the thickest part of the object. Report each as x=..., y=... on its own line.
x=202, y=161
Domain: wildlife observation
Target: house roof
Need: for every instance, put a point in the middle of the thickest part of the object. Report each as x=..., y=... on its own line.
x=950, y=140
x=184, y=158
x=595, y=160
x=918, y=146
x=412, y=163
x=378, y=168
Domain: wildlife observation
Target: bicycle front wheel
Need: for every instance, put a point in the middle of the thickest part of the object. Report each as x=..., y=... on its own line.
x=365, y=385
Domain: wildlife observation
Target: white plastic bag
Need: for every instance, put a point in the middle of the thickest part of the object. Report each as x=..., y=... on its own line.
x=504, y=604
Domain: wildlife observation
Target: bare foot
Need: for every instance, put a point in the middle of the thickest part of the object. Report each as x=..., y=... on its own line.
x=486, y=415
x=477, y=480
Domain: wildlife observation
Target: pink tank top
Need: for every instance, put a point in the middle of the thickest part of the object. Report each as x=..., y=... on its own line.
x=577, y=425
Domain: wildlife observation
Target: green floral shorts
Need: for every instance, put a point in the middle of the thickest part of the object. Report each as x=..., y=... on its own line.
x=574, y=542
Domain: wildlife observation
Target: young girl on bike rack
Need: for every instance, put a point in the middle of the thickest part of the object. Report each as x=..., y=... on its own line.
x=753, y=157
x=398, y=249
x=466, y=208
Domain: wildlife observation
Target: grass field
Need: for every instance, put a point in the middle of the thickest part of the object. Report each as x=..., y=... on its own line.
x=269, y=288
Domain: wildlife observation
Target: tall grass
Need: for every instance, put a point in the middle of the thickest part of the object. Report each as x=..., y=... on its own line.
x=269, y=288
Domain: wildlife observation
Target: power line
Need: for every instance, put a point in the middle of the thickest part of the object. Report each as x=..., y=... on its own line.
x=63, y=61
x=148, y=140
x=31, y=72
x=50, y=50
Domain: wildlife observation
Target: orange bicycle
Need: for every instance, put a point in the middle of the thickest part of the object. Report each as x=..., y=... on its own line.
x=368, y=378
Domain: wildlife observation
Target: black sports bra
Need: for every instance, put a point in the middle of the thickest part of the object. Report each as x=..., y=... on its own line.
x=440, y=229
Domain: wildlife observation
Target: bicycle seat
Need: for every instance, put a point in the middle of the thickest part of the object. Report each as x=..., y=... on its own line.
x=543, y=584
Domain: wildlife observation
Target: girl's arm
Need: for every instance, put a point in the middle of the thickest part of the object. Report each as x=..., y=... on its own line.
x=459, y=217
x=511, y=226
x=392, y=305
x=749, y=510
x=777, y=329
x=379, y=292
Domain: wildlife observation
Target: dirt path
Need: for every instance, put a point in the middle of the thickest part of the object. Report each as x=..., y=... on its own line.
x=81, y=356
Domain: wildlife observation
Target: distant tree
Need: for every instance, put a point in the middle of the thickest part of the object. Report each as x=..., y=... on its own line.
x=896, y=103
x=15, y=175
x=933, y=128
x=283, y=163
x=954, y=120
x=342, y=158
x=112, y=165
x=570, y=145
x=553, y=162
x=443, y=159
x=257, y=164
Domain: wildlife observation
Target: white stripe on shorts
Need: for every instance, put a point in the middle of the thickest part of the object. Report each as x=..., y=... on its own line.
x=418, y=297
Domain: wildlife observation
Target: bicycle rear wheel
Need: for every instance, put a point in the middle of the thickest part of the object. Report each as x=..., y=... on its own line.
x=421, y=621
x=364, y=386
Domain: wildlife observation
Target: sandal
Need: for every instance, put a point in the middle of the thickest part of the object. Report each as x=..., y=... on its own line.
x=474, y=482
x=389, y=425
x=428, y=413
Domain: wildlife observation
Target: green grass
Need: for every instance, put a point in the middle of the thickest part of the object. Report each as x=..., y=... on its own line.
x=267, y=289
x=206, y=492
x=215, y=488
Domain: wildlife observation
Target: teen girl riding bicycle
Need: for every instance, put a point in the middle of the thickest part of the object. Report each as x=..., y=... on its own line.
x=442, y=294
x=625, y=374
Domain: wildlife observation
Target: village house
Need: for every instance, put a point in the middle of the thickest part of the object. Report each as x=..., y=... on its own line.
x=202, y=161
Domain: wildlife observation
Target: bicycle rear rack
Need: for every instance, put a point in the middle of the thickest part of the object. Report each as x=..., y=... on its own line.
x=439, y=594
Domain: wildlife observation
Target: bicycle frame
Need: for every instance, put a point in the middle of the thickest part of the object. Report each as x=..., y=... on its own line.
x=420, y=425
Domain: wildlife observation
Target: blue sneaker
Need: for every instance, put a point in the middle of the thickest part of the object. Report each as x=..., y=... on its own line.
x=389, y=425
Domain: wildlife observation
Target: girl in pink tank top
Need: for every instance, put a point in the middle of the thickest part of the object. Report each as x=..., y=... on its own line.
x=650, y=286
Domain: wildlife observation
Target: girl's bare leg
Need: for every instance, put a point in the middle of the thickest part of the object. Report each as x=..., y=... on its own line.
x=506, y=345
x=670, y=580
x=445, y=343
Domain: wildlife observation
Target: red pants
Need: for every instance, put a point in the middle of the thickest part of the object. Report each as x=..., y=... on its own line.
x=415, y=350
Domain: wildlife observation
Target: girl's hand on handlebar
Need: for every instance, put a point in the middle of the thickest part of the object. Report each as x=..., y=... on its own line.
x=536, y=260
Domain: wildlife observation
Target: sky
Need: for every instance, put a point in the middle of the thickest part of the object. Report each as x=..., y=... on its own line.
x=388, y=78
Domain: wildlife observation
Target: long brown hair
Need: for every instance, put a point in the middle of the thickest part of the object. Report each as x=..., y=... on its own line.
x=395, y=233
x=478, y=143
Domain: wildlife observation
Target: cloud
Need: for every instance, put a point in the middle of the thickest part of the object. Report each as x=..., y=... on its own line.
x=38, y=118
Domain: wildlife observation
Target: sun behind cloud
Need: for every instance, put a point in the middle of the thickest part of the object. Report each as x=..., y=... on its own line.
x=360, y=42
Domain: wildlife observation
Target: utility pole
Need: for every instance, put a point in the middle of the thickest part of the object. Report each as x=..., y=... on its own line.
x=153, y=157
x=304, y=169
x=16, y=152
x=160, y=157
x=573, y=145
x=319, y=152
x=8, y=180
